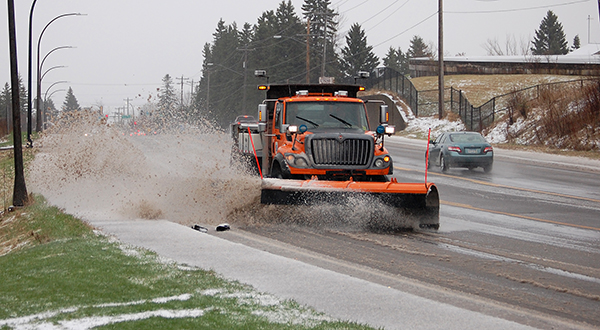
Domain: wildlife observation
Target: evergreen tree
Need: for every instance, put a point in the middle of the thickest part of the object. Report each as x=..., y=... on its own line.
x=576, y=43
x=357, y=55
x=22, y=96
x=199, y=103
x=70, y=103
x=418, y=48
x=550, y=38
x=51, y=111
x=323, y=29
x=167, y=100
x=5, y=101
x=397, y=60
x=226, y=74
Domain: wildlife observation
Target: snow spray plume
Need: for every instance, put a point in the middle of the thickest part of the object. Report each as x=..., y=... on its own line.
x=182, y=174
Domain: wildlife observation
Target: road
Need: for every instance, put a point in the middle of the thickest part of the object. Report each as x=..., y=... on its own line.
x=521, y=244
x=526, y=235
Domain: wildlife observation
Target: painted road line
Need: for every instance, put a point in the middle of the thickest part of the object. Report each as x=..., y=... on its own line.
x=466, y=206
x=502, y=186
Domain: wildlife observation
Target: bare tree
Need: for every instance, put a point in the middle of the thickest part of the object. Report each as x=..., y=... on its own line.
x=510, y=47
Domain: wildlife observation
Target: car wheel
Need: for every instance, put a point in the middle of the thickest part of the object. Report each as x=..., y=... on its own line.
x=488, y=168
x=428, y=161
x=443, y=166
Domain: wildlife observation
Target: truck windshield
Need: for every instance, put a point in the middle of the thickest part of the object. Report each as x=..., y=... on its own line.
x=325, y=114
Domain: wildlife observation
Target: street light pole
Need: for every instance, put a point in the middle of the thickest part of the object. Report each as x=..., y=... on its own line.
x=38, y=124
x=52, y=68
x=46, y=97
x=441, y=60
x=19, y=190
x=29, y=140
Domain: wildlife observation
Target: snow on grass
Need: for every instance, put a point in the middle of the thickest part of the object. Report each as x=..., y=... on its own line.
x=419, y=127
x=37, y=321
x=262, y=305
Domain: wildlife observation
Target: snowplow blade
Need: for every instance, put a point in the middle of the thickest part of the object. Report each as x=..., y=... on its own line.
x=419, y=201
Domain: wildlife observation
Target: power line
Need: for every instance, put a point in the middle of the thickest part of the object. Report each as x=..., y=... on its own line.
x=360, y=4
x=381, y=11
x=403, y=32
x=516, y=9
x=388, y=16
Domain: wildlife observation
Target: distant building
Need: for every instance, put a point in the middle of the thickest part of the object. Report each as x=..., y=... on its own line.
x=584, y=61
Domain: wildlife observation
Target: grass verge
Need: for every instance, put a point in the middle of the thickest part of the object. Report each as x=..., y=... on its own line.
x=57, y=272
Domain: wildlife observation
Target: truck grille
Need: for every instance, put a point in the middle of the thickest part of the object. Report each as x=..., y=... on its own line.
x=331, y=151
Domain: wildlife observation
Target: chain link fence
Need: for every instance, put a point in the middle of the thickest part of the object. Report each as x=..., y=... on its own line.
x=425, y=102
x=394, y=81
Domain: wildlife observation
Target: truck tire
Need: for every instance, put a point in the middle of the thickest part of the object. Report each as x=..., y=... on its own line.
x=277, y=172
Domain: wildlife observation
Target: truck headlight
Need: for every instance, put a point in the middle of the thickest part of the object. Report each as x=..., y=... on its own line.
x=296, y=161
x=301, y=162
x=382, y=162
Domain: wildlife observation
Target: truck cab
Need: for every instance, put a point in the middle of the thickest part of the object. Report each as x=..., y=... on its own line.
x=322, y=131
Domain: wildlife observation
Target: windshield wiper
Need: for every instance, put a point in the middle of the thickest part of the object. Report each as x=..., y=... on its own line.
x=341, y=120
x=308, y=121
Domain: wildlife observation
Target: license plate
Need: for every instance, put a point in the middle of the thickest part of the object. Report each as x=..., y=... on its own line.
x=472, y=150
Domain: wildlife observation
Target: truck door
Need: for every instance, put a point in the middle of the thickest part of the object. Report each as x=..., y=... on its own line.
x=278, y=120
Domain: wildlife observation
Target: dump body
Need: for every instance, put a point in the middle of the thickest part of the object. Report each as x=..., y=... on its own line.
x=316, y=147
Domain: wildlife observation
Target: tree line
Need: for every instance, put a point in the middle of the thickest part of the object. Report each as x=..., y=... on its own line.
x=70, y=103
x=290, y=48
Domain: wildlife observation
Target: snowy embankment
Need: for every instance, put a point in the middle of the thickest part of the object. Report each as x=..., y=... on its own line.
x=418, y=127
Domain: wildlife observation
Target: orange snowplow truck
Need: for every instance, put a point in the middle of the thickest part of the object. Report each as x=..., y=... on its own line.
x=317, y=148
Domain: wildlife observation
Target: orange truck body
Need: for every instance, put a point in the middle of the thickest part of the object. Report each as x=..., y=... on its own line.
x=318, y=145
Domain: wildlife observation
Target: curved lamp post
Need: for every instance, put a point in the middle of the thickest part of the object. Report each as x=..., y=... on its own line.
x=55, y=83
x=29, y=141
x=38, y=125
x=52, y=68
x=46, y=97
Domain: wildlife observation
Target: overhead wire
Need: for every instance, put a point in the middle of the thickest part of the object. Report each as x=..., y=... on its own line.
x=388, y=16
x=515, y=9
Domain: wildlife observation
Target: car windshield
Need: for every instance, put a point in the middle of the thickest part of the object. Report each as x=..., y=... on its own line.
x=324, y=114
x=466, y=138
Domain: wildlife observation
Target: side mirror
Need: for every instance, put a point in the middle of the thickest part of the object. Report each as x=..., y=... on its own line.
x=384, y=115
x=262, y=117
x=262, y=113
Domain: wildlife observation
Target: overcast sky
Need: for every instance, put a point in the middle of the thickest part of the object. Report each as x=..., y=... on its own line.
x=125, y=47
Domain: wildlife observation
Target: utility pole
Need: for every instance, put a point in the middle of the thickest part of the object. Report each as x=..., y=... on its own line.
x=441, y=60
x=244, y=65
x=182, y=80
x=325, y=21
x=589, y=23
x=308, y=50
x=19, y=190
